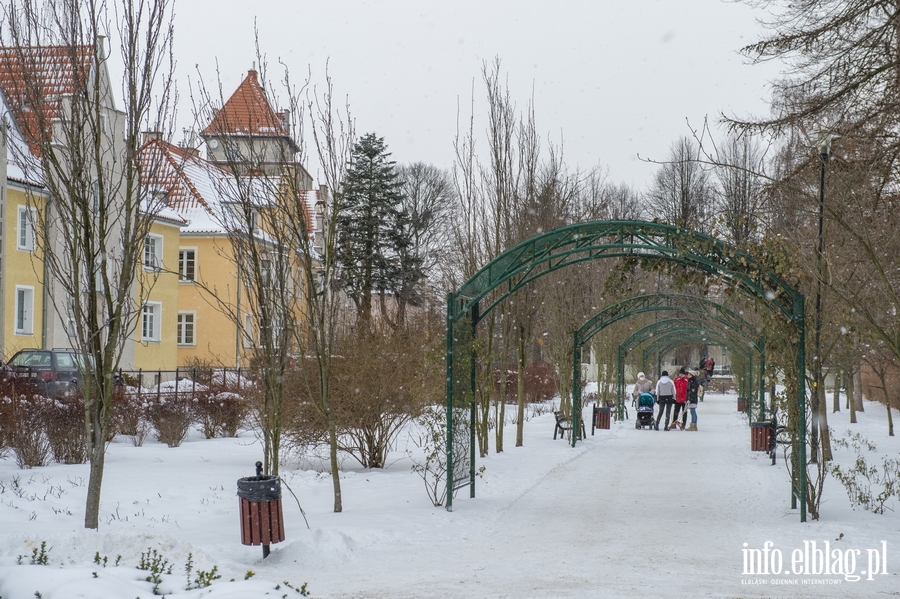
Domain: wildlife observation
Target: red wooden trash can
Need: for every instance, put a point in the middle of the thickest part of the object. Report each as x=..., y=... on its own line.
x=601, y=417
x=759, y=436
x=259, y=498
x=742, y=404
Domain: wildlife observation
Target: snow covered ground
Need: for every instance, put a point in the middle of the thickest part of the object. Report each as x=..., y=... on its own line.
x=626, y=513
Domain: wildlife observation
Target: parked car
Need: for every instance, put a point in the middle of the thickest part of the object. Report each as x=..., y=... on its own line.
x=49, y=372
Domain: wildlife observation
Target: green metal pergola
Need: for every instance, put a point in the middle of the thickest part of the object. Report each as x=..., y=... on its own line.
x=641, y=242
x=673, y=302
x=666, y=343
x=686, y=327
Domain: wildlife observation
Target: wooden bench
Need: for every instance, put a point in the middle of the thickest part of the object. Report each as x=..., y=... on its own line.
x=564, y=425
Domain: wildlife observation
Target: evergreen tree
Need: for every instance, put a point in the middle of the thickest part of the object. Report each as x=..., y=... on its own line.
x=374, y=234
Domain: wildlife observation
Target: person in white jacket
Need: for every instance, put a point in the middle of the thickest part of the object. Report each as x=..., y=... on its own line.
x=665, y=397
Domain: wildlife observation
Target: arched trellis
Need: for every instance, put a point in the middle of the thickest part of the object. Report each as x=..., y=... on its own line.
x=638, y=241
x=666, y=343
x=684, y=326
x=681, y=303
x=677, y=337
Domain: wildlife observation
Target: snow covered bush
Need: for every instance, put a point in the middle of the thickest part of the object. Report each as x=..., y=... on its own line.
x=431, y=438
x=63, y=421
x=867, y=485
x=219, y=411
x=171, y=417
x=129, y=415
x=23, y=421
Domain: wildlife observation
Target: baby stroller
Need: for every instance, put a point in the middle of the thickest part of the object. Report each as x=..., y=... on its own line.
x=645, y=412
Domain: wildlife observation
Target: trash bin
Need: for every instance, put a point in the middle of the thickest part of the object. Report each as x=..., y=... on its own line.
x=760, y=436
x=259, y=499
x=742, y=404
x=601, y=417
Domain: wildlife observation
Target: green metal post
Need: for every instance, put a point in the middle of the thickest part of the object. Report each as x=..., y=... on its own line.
x=621, y=386
x=750, y=391
x=576, y=388
x=472, y=388
x=450, y=318
x=762, y=386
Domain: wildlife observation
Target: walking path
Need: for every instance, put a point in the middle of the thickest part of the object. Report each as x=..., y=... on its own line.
x=631, y=512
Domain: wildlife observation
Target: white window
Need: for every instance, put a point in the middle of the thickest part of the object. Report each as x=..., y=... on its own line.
x=25, y=225
x=185, y=333
x=71, y=329
x=248, y=331
x=265, y=272
x=150, y=321
x=187, y=264
x=24, y=310
x=153, y=252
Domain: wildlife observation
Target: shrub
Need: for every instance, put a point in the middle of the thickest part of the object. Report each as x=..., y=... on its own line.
x=866, y=485
x=219, y=412
x=64, y=425
x=24, y=417
x=170, y=416
x=541, y=382
x=129, y=416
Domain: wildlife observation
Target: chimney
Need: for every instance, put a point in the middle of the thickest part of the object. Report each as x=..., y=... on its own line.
x=148, y=136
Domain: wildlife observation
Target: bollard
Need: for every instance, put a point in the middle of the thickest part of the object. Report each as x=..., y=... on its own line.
x=259, y=500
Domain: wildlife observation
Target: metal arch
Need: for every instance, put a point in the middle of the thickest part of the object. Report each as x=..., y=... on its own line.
x=635, y=240
x=667, y=342
x=657, y=302
x=650, y=330
x=673, y=339
x=664, y=327
x=573, y=244
x=682, y=303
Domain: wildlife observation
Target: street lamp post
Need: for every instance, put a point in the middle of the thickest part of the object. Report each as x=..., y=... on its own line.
x=824, y=147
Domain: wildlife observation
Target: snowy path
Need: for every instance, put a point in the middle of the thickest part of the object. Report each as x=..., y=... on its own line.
x=630, y=512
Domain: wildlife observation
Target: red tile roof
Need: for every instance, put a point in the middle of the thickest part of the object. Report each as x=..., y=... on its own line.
x=188, y=181
x=163, y=167
x=247, y=112
x=53, y=72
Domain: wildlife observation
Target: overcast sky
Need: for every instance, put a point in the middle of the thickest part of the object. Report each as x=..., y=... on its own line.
x=614, y=79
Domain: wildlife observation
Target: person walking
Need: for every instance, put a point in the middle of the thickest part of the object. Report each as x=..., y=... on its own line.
x=665, y=397
x=710, y=368
x=681, y=391
x=693, y=394
x=642, y=385
x=692, y=400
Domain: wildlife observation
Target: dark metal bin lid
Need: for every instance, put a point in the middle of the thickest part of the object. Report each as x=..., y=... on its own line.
x=259, y=489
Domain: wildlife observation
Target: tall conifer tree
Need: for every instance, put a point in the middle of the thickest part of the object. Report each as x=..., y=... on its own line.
x=374, y=233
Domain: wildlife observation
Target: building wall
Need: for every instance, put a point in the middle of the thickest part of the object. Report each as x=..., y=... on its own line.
x=161, y=351
x=20, y=270
x=210, y=299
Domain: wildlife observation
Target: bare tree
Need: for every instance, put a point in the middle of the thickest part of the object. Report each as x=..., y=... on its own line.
x=85, y=152
x=741, y=194
x=428, y=199
x=333, y=136
x=256, y=162
x=681, y=193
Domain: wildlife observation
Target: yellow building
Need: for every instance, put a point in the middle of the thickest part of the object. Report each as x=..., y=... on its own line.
x=22, y=276
x=156, y=331
x=193, y=305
